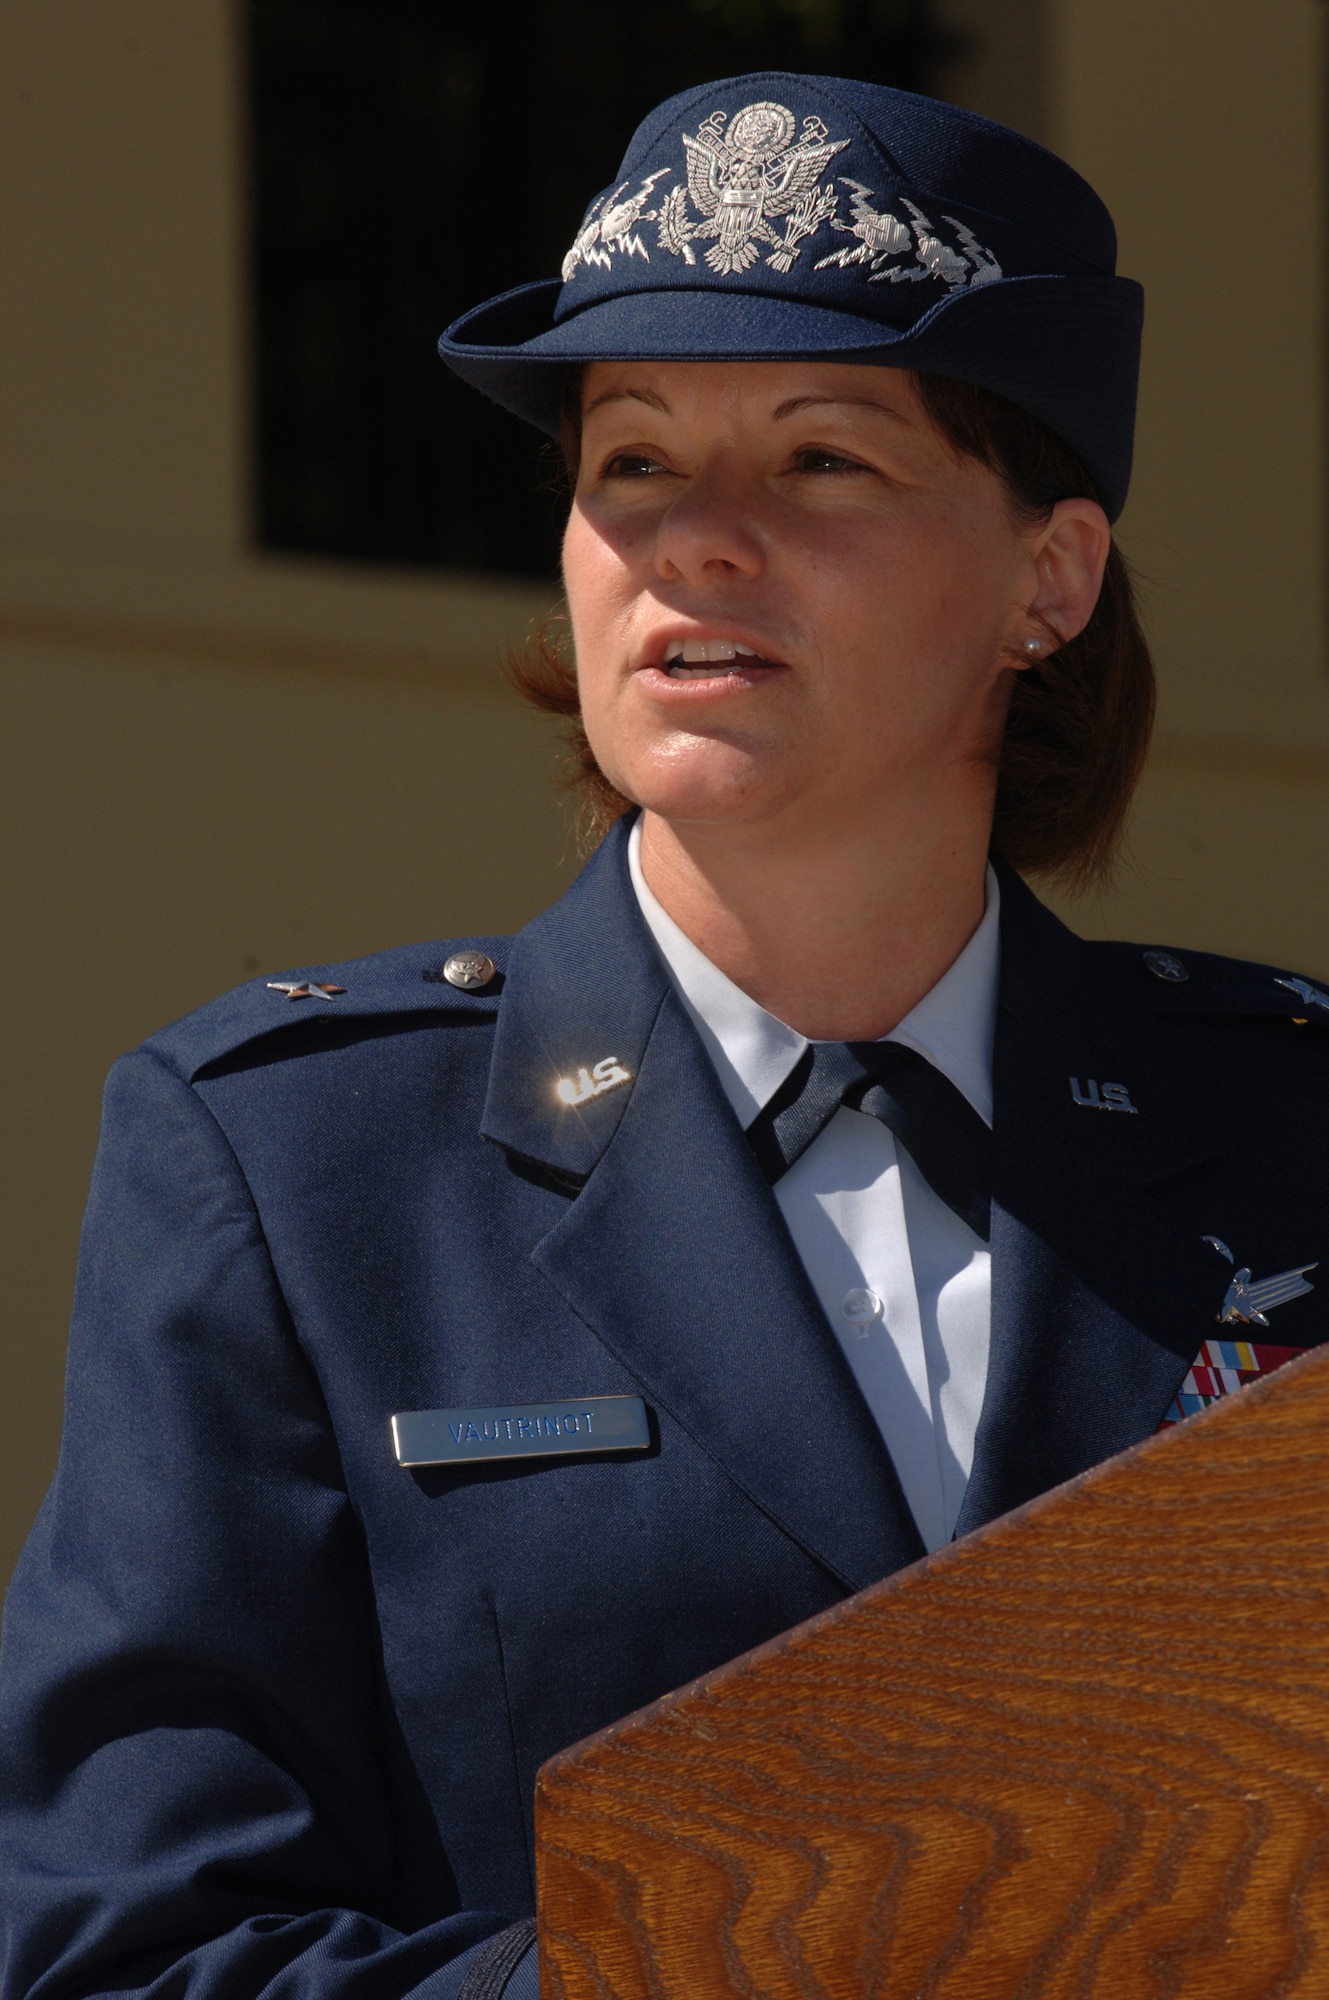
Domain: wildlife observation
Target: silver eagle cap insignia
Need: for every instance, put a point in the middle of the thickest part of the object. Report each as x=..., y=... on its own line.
x=744, y=176
x=741, y=177
x=1247, y=1304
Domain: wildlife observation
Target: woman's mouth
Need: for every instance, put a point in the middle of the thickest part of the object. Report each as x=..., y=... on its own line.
x=709, y=659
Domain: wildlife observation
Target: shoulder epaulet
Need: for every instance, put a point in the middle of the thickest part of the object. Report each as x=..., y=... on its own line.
x=445, y=978
x=1201, y=982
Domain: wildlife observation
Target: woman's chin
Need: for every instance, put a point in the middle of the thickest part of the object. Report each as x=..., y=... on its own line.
x=716, y=794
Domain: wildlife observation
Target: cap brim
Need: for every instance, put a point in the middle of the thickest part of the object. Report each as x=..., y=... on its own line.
x=1015, y=337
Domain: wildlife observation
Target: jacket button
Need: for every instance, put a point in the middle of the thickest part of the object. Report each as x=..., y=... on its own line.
x=1164, y=966
x=470, y=970
x=860, y=1307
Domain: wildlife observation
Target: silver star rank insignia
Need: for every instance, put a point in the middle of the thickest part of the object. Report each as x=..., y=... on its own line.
x=304, y=989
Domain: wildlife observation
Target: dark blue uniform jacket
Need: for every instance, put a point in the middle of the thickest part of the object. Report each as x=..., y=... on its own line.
x=271, y=1707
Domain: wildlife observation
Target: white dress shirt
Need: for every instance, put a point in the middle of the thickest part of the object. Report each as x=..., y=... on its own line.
x=905, y=1285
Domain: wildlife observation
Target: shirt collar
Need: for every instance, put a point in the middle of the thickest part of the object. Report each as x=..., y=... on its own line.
x=753, y=1052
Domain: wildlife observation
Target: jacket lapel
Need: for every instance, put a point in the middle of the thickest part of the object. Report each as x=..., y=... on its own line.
x=675, y=1254
x=674, y=1251
x=1100, y=1299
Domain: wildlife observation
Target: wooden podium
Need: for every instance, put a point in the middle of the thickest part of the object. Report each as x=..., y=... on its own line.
x=1084, y=1752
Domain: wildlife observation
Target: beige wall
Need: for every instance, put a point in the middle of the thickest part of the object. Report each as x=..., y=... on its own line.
x=1202, y=123
x=212, y=763
x=209, y=763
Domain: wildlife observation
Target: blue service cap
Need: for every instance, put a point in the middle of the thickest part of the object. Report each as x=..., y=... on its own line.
x=777, y=216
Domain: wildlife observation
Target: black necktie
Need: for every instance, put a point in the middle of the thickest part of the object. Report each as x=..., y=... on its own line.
x=933, y=1121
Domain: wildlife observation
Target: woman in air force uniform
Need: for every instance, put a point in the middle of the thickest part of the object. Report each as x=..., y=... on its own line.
x=796, y=1194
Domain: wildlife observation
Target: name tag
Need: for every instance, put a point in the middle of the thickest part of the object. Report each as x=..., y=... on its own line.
x=521, y=1430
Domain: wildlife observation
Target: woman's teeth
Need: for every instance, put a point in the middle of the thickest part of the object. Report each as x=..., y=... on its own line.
x=706, y=659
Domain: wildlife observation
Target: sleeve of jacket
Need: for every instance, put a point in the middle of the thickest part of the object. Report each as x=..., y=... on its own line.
x=196, y=1749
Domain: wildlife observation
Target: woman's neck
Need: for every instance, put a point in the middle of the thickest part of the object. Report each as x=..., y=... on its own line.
x=839, y=939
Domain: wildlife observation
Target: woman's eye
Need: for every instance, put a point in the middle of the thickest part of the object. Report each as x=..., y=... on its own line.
x=815, y=458
x=631, y=465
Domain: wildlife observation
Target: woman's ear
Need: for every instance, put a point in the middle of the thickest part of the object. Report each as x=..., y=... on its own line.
x=1070, y=552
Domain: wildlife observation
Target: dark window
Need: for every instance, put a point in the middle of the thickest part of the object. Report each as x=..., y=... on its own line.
x=411, y=157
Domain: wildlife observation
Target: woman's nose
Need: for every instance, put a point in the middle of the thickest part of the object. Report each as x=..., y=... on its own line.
x=710, y=530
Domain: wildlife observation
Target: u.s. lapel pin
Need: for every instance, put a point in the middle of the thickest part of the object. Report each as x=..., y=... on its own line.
x=1102, y=1097
x=304, y=989
x=1247, y=1304
x=607, y=1074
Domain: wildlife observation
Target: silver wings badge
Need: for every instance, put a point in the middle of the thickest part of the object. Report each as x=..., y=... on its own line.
x=1247, y=1304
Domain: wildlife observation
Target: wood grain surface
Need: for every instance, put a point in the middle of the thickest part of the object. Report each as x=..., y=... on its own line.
x=1083, y=1752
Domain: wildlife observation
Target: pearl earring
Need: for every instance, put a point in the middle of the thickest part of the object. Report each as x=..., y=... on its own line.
x=1033, y=646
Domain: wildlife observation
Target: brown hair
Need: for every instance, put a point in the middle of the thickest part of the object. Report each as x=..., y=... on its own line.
x=1079, y=723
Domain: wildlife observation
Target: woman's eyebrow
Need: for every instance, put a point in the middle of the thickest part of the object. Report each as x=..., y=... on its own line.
x=796, y=403
x=647, y=396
